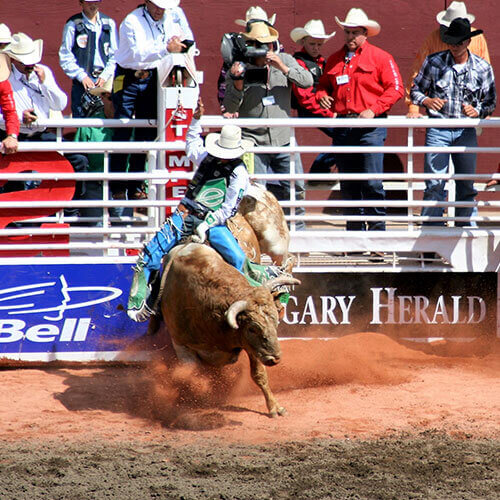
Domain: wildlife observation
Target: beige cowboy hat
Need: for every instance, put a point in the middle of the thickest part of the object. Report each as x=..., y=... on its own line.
x=454, y=10
x=256, y=13
x=166, y=4
x=228, y=144
x=261, y=32
x=106, y=88
x=4, y=67
x=24, y=49
x=313, y=28
x=5, y=34
x=357, y=17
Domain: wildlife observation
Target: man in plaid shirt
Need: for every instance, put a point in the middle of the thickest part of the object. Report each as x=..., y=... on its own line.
x=454, y=83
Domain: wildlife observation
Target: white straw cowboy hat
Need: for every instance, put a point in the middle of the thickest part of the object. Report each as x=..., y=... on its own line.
x=454, y=10
x=357, y=17
x=24, y=49
x=106, y=88
x=256, y=13
x=313, y=28
x=166, y=4
x=228, y=144
x=5, y=34
x=261, y=32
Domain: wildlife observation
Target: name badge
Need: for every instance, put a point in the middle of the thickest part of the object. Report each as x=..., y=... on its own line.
x=268, y=100
x=342, y=79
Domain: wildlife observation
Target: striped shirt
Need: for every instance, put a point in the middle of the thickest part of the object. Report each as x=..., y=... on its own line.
x=471, y=83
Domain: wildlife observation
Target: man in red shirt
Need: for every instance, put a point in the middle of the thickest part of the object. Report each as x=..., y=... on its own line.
x=360, y=81
x=8, y=108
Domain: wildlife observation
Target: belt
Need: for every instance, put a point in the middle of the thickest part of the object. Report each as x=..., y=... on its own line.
x=139, y=74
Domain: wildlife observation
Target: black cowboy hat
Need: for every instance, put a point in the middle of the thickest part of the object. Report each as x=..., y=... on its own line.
x=458, y=31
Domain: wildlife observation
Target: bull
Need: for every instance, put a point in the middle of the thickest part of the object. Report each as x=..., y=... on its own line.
x=212, y=313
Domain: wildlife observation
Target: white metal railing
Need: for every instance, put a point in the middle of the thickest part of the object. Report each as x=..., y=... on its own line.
x=133, y=230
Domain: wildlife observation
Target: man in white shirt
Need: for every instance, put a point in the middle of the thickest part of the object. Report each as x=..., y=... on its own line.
x=148, y=34
x=35, y=93
x=86, y=55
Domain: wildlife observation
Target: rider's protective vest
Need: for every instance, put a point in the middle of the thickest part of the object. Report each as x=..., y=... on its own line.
x=84, y=44
x=207, y=190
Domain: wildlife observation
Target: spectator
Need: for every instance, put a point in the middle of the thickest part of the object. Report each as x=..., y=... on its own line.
x=265, y=92
x=199, y=214
x=8, y=110
x=86, y=55
x=433, y=43
x=453, y=83
x=35, y=94
x=312, y=38
x=360, y=81
x=148, y=34
x=252, y=14
x=5, y=36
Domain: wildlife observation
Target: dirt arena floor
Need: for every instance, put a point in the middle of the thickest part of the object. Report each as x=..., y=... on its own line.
x=367, y=418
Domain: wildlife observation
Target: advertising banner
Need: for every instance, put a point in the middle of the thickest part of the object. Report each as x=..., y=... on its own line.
x=76, y=312
x=406, y=305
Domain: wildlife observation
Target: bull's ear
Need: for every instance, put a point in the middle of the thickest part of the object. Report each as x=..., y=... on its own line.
x=234, y=309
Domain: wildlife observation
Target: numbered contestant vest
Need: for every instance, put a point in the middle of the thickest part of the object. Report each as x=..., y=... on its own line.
x=207, y=190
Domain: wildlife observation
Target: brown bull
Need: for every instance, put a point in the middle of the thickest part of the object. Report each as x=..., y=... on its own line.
x=212, y=314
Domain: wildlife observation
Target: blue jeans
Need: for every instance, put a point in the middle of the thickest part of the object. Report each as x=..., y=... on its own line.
x=324, y=162
x=138, y=99
x=361, y=163
x=437, y=163
x=279, y=163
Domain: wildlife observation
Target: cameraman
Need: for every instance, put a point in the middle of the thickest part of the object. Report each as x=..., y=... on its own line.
x=261, y=87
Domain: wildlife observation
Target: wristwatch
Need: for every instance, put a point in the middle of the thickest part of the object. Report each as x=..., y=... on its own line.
x=12, y=135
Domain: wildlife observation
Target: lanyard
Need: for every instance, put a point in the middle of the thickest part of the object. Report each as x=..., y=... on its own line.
x=158, y=26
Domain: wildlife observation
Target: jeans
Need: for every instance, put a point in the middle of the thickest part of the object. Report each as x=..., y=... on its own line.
x=437, y=163
x=362, y=163
x=138, y=99
x=279, y=163
x=324, y=162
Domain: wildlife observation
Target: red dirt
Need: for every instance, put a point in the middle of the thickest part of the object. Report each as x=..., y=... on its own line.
x=360, y=386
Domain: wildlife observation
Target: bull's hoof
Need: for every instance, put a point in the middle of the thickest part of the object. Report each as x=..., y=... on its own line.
x=278, y=412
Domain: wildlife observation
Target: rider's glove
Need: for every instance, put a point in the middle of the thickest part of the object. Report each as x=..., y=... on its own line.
x=201, y=232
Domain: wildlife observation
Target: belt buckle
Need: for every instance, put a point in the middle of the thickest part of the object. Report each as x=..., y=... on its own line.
x=142, y=74
x=96, y=73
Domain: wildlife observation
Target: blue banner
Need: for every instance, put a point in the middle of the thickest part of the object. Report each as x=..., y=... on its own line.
x=77, y=308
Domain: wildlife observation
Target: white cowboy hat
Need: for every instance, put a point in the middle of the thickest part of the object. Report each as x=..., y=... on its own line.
x=4, y=67
x=256, y=13
x=228, y=144
x=313, y=28
x=5, y=34
x=166, y=4
x=24, y=49
x=357, y=17
x=261, y=32
x=106, y=88
x=454, y=10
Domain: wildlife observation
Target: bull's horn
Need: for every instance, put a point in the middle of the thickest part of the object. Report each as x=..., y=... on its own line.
x=281, y=280
x=234, y=309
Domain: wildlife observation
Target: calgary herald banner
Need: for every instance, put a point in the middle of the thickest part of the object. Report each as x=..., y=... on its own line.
x=77, y=312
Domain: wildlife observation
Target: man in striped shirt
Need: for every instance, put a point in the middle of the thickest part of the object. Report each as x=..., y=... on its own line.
x=453, y=83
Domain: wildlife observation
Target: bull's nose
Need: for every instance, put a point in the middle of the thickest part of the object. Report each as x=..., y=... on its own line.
x=270, y=360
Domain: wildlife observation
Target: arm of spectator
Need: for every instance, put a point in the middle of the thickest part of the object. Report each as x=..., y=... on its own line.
x=296, y=73
x=67, y=59
x=56, y=98
x=143, y=51
x=306, y=99
x=234, y=91
x=393, y=86
x=421, y=84
x=187, y=33
x=482, y=47
x=8, y=107
x=488, y=95
x=109, y=70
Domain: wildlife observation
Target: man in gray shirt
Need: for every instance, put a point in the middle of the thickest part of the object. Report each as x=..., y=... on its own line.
x=262, y=89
